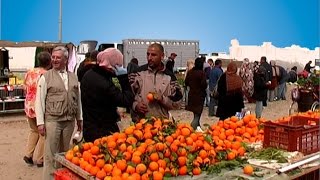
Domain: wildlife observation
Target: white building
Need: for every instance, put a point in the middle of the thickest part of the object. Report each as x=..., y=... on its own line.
x=287, y=57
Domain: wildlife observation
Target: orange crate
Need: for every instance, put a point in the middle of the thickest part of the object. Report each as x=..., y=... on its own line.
x=295, y=135
x=65, y=174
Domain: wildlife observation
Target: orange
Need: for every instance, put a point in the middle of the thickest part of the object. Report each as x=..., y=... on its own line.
x=116, y=172
x=136, y=159
x=100, y=163
x=183, y=170
x=94, y=170
x=129, y=130
x=154, y=156
x=182, y=160
x=241, y=151
x=156, y=175
x=121, y=164
x=231, y=155
x=150, y=97
x=185, y=131
x=196, y=171
x=141, y=168
x=101, y=174
x=69, y=155
x=154, y=166
x=108, y=168
x=88, y=167
x=75, y=160
x=130, y=169
x=95, y=150
x=203, y=154
x=248, y=169
x=85, y=146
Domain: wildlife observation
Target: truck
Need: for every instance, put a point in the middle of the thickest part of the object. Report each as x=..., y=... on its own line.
x=137, y=48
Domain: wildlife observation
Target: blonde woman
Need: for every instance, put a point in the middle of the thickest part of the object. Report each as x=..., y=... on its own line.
x=190, y=65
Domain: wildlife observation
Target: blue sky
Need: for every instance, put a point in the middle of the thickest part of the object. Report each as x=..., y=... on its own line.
x=214, y=23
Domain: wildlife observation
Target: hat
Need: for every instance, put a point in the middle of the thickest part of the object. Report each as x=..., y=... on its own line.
x=173, y=54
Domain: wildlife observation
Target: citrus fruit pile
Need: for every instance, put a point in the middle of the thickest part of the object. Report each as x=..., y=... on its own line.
x=154, y=148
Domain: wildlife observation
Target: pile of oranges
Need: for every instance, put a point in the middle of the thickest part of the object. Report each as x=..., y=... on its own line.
x=154, y=148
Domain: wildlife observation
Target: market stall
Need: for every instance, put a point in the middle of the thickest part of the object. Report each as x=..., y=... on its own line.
x=235, y=148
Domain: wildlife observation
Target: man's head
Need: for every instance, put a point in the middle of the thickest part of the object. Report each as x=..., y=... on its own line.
x=155, y=55
x=294, y=68
x=135, y=61
x=173, y=56
x=218, y=63
x=110, y=58
x=59, y=58
x=44, y=59
x=210, y=62
x=263, y=59
x=93, y=56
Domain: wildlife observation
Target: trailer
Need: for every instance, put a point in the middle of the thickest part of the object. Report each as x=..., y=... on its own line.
x=137, y=48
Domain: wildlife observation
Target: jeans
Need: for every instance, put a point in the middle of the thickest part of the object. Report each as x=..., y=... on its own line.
x=186, y=92
x=258, y=109
x=207, y=100
x=281, y=91
x=213, y=106
x=196, y=120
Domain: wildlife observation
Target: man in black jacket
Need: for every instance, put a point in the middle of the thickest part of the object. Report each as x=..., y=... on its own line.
x=268, y=67
x=100, y=96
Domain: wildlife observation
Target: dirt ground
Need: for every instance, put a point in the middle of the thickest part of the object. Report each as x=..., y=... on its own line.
x=14, y=132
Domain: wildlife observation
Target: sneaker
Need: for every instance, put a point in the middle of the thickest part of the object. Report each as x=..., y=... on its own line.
x=28, y=160
x=199, y=129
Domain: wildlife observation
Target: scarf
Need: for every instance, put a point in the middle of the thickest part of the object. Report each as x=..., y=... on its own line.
x=234, y=81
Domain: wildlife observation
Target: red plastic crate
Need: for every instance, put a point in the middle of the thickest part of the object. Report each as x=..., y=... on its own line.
x=294, y=135
x=65, y=174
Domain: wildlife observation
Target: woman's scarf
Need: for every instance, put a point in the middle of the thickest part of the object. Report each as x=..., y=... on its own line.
x=234, y=81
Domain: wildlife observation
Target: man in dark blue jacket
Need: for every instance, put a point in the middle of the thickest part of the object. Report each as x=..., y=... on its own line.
x=214, y=75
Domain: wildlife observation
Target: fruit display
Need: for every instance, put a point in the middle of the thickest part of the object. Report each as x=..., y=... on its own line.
x=155, y=148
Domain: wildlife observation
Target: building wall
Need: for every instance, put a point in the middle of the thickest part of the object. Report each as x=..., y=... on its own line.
x=287, y=57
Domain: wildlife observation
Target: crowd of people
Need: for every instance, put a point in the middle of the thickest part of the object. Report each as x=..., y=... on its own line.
x=59, y=101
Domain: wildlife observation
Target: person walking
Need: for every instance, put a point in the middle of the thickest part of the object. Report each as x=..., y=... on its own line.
x=282, y=87
x=190, y=65
x=269, y=74
x=35, y=142
x=155, y=80
x=246, y=73
x=196, y=80
x=100, y=114
x=133, y=66
x=215, y=74
x=260, y=88
x=230, y=98
x=170, y=62
x=87, y=64
x=57, y=108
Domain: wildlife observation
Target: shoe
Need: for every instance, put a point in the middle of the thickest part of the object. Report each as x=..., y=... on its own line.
x=40, y=165
x=199, y=129
x=28, y=160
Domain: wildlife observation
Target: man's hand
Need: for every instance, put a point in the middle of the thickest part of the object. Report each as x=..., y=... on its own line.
x=42, y=130
x=141, y=108
x=79, y=124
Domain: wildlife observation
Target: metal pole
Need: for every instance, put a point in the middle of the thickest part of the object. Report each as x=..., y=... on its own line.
x=60, y=22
